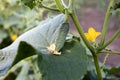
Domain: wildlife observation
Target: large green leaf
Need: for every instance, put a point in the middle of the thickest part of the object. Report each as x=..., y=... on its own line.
x=24, y=70
x=117, y=4
x=42, y=35
x=39, y=37
x=59, y=36
x=24, y=50
x=70, y=65
x=112, y=73
x=115, y=9
x=113, y=70
x=90, y=76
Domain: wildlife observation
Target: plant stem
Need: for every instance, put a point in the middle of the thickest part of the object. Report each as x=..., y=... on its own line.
x=110, y=52
x=66, y=15
x=24, y=71
x=111, y=39
x=104, y=61
x=105, y=26
x=71, y=6
x=65, y=6
x=59, y=5
x=52, y=9
x=98, y=70
x=81, y=32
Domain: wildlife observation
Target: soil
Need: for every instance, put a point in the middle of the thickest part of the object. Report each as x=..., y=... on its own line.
x=94, y=17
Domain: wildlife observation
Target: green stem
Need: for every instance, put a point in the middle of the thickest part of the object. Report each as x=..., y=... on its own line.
x=24, y=71
x=66, y=15
x=104, y=61
x=59, y=5
x=81, y=32
x=105, y=26
x=98, y=70
x=111, y=39
x=71, y=6
x=70, y=3
x=110, y=52
x=65, y=6
x=49, y=8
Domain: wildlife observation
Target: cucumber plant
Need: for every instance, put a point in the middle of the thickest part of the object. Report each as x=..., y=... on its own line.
x=50, y=52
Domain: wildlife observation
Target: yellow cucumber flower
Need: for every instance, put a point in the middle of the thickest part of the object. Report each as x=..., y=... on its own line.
x=14, y=37
x=92, y=34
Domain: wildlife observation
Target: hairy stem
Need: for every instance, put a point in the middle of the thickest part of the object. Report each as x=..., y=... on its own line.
x=110, y=52
x=59, y=5
x=111, y=39
x=94, y=54
x=105, y=26
x=49, y=8
x=81, y=32
x=104, y=61
x=97, y=66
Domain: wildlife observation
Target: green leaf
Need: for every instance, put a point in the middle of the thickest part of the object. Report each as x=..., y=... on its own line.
x=117, y=4
x=38, y=37
x=113, y=70
x=112, y=73
x=31, y=3
x=42, y=35
x=59, y=36
x=116, y=13
x=90, y=76
x=115, y=9
x=24, y=50
x=70, y=65
x=11, y=76
x=24, y=72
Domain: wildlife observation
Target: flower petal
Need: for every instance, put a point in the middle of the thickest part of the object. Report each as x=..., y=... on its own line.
x=91, y=30
x=98, y=33
x=92, y=34
x=88, y=36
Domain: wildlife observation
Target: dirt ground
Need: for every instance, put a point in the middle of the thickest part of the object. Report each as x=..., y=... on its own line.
x=93, y=17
